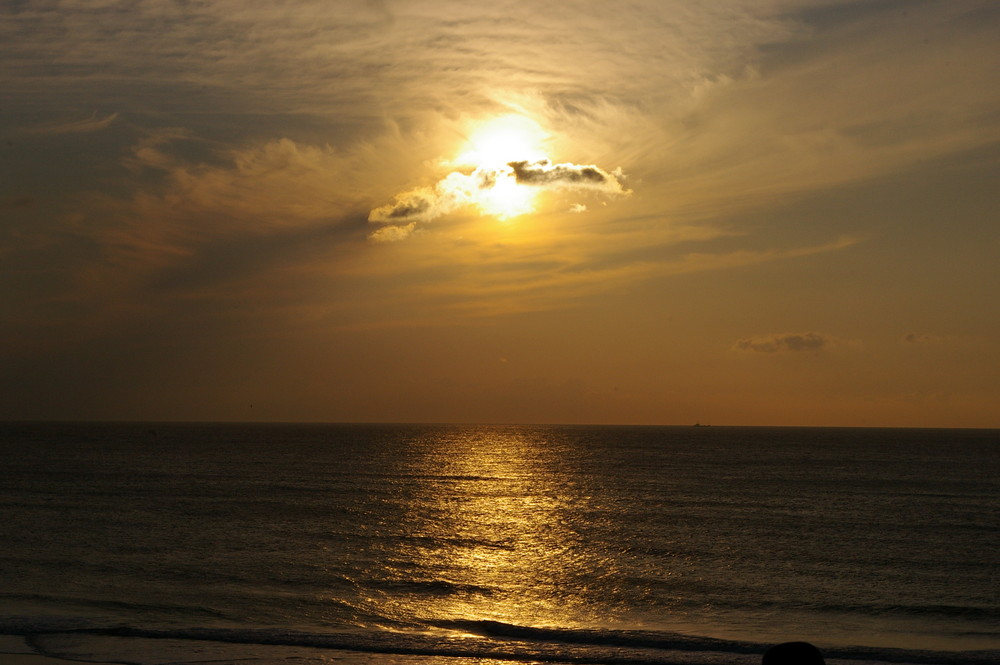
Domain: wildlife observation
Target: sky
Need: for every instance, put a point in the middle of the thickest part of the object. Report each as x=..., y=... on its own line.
x=738, y=212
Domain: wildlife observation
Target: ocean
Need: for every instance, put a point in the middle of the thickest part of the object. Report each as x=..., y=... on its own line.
x=266, y=544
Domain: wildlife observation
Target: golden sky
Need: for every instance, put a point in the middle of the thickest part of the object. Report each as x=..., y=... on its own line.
x=738, y=212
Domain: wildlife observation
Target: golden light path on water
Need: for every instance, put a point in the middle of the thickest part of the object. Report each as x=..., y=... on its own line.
x=479, y=536
x=490, y=521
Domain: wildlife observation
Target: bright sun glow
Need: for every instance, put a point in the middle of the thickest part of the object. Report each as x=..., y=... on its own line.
x=491, y=148
x=506, y=139
x=506, y=198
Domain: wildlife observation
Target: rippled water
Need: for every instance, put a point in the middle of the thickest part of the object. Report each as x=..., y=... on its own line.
x=583, y=544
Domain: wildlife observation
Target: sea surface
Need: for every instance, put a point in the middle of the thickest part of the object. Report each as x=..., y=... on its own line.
x=445, y=544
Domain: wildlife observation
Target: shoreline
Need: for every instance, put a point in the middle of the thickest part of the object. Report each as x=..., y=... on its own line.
x=15, y=650
x=74, y=646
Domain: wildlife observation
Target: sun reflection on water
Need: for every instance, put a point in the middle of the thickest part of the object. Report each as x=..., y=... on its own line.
x=490, y=531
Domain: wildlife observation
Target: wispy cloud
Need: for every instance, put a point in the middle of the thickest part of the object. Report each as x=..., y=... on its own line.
x=189, y=227
x=484, y=278
x=94, y=123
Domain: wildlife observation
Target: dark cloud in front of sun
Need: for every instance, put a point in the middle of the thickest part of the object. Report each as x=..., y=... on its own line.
x=413, y=208
x=458, y=189
x=543, y=173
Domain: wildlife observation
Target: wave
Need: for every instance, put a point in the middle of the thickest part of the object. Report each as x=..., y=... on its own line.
x=486, y=639
x=432, y=587
x=620, y=638
x=111, y=605
x=668, y=641
x=969, y=612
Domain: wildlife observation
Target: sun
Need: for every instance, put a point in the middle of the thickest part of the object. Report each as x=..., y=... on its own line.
x=504, y=198
x=491, y=147
x=497, y=142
